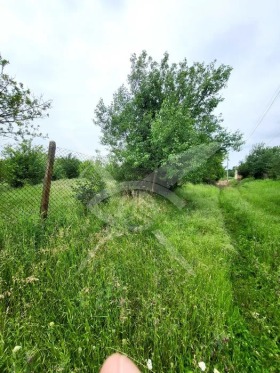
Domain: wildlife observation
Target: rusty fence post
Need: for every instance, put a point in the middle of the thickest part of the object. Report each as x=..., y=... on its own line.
x=47, y=181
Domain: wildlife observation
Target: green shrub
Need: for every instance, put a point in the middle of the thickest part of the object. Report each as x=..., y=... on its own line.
x=88, y=187
x=67, y=167
x=87, y=169
x=58, y=171
x=24, y=164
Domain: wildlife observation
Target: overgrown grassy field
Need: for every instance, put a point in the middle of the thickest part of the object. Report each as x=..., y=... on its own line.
x=25, y=202
x=142, y=277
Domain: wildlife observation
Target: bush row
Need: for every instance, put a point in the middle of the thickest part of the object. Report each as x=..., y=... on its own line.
x=262, y=162
x=25, y=164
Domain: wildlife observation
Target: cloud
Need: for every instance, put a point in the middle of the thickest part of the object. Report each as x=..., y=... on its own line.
x=75, y=52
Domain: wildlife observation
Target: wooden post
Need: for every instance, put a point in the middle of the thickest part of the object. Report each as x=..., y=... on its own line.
x=47, y=181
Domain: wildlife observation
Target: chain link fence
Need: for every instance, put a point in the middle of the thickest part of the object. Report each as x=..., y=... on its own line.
x=22, y=172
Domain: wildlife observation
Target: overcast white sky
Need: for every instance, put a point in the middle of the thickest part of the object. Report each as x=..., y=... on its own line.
x=76, y=51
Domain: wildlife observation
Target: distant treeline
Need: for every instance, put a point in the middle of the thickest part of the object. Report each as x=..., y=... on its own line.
x=262, y=162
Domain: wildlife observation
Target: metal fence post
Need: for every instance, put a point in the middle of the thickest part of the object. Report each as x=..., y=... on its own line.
x=47, y=181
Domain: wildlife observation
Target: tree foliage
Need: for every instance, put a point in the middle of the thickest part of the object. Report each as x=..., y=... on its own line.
x=23, y=164
x=165, y=110
x=262, y=162
x=18, y=107
x=67, y=167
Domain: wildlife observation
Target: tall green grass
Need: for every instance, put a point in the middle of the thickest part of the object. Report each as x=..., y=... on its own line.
x=252, y=218
x=143, y=278
x=25, y=202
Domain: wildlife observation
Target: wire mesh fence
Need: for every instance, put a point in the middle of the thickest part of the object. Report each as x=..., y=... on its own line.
x=22, y=172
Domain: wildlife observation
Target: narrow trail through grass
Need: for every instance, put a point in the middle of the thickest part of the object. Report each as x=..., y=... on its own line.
x=251, y=219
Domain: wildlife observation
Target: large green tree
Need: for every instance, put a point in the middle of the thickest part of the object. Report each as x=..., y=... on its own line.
x=18, y=107
x=165, y=110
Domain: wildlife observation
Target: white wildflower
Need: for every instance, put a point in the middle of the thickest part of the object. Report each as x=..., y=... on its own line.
x=31, y=279
x=202, y=366
x=51, y=324
x=16, y=349
x=149, y=364
x=255, y=315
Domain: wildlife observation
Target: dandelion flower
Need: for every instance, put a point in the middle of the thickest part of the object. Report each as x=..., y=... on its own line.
x=16, y=349
x=149, y=364
x=202, y=366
